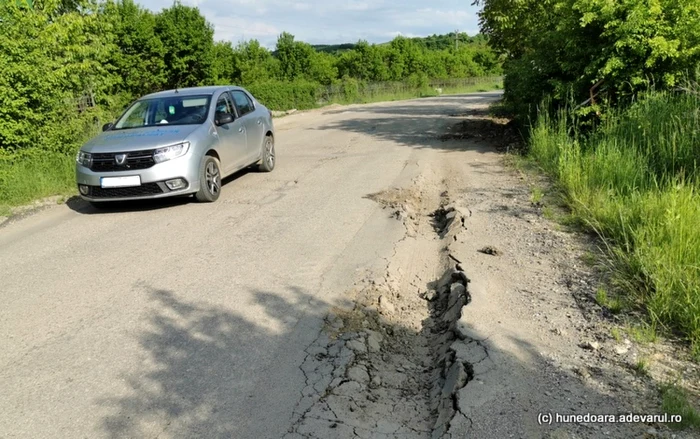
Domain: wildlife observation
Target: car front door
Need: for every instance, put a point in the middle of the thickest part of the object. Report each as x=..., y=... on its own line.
x=253, y=123
x=233, y=142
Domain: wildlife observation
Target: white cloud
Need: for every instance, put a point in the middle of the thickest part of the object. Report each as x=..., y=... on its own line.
x=330, y=21
x=357, y=6
x=392, y=35
x=235, y=29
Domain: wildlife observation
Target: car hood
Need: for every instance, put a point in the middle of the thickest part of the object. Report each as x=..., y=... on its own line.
x=136, y=139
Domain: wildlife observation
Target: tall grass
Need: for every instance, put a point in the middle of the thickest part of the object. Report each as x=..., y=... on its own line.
x=352, y=91
x=371, y=97
x=636, y=182
x=34, y=174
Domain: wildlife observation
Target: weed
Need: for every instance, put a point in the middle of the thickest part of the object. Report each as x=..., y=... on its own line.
x=537, y=195
x=589, y=258
x=642, y=367
x=616, y=334
x=614, y=304
x=548, y=213
x=642, y=333
x=675, y=402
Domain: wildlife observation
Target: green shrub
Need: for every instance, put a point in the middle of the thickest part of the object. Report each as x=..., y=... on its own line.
x=286, y=95
x=351, y=89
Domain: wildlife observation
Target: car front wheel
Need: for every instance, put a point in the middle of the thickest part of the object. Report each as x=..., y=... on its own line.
x=209, y=180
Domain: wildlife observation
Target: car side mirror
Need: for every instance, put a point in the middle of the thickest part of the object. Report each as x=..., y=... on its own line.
x=224, y=118
x=107, y=126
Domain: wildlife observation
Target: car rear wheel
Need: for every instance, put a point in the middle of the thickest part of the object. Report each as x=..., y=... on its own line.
x=269, y=159
x=209, y=181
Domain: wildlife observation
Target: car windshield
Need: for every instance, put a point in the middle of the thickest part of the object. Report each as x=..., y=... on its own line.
x=173, y=110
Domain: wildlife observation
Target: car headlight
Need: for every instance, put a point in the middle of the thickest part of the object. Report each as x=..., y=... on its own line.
x=170, y=152
x=84, y=158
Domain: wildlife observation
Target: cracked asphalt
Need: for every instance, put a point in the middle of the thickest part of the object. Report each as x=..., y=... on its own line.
x=176, y=319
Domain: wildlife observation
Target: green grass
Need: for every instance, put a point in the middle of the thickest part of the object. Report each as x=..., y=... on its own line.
x=589, y=258
x=642, y=333
x=675, y=402
x=616, y=334
x=536, y=195
x=400, y=94
x=614, y=304
x=642, y=367
x=548, y=213
x=636, y=182
x=33, y=175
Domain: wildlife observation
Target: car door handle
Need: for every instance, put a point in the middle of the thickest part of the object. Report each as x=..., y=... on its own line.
x=259, y=121
x=240, y=130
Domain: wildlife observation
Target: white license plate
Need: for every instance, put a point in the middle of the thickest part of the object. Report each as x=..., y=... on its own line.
x=130, y=181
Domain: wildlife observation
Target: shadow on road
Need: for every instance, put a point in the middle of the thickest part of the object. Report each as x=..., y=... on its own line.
x=194, y=379
x=448, y=123
x=194, y=376
x=432, y=106
x=79, y=205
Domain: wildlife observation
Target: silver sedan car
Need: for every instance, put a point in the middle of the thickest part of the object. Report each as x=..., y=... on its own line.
x=177, y=142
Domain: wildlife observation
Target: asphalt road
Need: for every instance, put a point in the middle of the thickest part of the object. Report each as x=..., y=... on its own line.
x=178, y=319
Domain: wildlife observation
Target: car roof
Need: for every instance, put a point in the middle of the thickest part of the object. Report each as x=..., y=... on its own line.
x=190, y=91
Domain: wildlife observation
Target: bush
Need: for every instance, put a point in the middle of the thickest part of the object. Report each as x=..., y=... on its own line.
x=351, y=89
x=286, y=95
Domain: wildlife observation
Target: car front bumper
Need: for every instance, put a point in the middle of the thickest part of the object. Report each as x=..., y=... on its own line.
x=152, y=181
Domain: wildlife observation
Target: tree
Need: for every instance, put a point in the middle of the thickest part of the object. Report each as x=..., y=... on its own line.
x=188, y=41
x=364, y=62
x=48, y=62
x=224, y=70
x=254, y=63
x=140, y=51
x=294, y=57
x=563, y=47
x=322, y=68
x=409, y=55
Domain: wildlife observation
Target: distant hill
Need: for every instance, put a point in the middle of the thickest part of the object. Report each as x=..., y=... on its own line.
x=333, y=48
x=433, y=42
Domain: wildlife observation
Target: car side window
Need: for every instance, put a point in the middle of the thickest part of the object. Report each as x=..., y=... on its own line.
x=223, y=105
x=243, y=102
x=136, y=116
x=161, y=114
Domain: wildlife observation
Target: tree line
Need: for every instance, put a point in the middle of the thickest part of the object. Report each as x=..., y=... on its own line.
x=575, y=49
x=64, y=63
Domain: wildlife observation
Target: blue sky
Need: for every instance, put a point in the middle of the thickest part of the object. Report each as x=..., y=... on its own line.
x=331, y=21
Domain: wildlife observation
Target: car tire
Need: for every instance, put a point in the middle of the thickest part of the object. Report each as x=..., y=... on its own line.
x=267, y=164
x=209, y=180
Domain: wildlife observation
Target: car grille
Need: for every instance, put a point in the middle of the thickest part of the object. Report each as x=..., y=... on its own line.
x=123, y=192
x=105, y=162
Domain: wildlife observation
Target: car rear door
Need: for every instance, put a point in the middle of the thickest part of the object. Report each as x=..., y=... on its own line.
x=233, y=142
x=253, y=122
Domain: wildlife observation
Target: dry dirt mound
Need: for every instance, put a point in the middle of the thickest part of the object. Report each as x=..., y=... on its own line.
x=480, y=126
